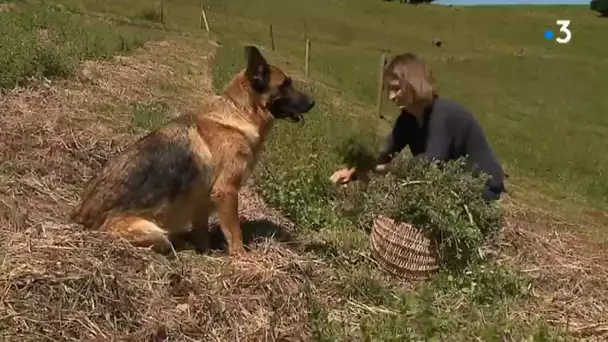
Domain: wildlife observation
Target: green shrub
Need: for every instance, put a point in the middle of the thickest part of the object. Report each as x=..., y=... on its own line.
x=600, y=6
x=148, y=117
x=442, y=199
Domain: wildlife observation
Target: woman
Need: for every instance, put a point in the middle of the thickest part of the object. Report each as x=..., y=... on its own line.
x=433, y=127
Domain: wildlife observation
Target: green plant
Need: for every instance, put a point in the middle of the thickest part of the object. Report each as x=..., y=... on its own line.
x=147, y=117
x=356, y=154
x=442, y=199
x=600, y=6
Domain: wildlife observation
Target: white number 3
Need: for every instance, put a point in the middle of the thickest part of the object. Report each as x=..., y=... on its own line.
x=563, y=27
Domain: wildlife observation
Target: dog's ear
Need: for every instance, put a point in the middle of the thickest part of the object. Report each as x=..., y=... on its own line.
x=258, y=71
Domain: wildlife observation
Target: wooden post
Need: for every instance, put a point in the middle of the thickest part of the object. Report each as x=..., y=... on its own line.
x=203, y=18
x=162, y=12
x=271, y=37
x=307, y=61
x=381, y=85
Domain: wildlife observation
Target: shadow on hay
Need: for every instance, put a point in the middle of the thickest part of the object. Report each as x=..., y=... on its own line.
x=253, y=231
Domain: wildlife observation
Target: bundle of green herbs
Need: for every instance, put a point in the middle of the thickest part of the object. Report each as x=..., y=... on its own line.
x=444, y=200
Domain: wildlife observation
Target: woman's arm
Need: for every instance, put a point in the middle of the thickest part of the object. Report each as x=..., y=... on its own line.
x=395, y=142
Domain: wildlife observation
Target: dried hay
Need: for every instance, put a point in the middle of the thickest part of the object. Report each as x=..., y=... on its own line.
x=58, y=282
x=569, y=272
x=78, y=286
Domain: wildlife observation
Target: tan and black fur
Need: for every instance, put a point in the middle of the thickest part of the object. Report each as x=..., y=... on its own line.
x=171, y=180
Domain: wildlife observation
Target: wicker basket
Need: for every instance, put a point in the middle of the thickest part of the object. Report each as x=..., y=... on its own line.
x=403, y=250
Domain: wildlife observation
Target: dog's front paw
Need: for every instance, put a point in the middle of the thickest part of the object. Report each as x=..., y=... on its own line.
x=236, y=250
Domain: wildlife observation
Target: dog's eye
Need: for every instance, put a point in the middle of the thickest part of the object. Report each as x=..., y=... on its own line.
x=286, y=84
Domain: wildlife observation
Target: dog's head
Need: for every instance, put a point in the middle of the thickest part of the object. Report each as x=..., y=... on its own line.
x=275, y=89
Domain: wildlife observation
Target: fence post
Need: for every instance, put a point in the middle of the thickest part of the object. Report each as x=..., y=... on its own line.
x=203, y=18
x=307, y=61
x=162, y=12
x=380, y=85
x=271, y=37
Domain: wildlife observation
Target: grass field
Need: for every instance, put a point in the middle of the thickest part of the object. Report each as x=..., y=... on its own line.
x=542, y=113
x=531, y=107
x=549, y=161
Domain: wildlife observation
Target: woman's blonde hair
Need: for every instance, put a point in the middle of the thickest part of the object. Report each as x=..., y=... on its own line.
x=415, y=78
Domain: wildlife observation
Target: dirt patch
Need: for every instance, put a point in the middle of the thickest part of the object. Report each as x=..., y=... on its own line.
x=61, y=283
x=569, y=272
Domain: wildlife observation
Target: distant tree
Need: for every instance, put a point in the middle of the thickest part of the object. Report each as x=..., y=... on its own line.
x=600, y=6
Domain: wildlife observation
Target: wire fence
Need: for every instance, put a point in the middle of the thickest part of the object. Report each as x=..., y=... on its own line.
x=214, y=16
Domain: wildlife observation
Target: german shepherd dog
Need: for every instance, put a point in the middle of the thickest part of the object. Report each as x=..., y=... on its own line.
x=168, y=183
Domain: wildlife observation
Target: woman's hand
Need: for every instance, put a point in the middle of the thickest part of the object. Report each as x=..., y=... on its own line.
x=343, y=176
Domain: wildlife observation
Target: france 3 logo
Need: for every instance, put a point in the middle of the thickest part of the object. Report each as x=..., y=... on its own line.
x=564, y=36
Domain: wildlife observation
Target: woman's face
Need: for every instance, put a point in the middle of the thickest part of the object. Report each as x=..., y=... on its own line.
x=394, y=92
x=402, y=99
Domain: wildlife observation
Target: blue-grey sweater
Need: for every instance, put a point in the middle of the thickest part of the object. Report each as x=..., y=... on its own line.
x=449, y=131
